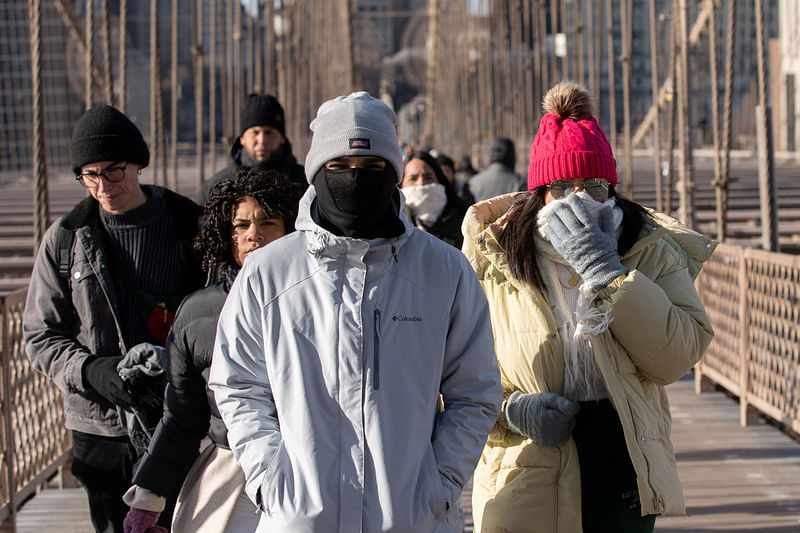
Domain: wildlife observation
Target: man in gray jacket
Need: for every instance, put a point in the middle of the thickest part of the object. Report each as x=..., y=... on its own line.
x=337, y=342
x=107, y=280
x=499, y=178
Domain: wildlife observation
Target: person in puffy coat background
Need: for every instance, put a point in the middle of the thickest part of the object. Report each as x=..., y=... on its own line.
x=242, y=214
x=337, y=342
x=594, y=311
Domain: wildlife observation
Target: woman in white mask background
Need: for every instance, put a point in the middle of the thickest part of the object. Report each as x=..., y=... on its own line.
x=594, y=311
x=431, y=202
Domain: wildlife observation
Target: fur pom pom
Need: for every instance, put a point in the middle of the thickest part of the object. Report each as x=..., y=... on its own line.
x=568, y=99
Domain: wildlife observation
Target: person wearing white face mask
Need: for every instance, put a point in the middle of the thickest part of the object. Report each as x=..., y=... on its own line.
x=594, y=311
x=432, y=203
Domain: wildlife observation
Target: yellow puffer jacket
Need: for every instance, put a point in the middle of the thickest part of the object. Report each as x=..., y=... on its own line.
x=658, y=332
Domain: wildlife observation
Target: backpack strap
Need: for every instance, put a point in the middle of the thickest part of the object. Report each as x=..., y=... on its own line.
x=63, y=253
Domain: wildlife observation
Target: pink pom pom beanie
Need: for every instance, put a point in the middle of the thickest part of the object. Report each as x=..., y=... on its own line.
x=565, y=148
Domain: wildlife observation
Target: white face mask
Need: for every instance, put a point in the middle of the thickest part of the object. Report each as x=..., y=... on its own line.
x=426, y=201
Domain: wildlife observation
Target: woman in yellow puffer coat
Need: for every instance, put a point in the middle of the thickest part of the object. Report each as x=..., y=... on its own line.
x=594, y=311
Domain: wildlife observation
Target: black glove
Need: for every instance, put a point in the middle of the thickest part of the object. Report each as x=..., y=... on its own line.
x=101, y=374
x=546, y=417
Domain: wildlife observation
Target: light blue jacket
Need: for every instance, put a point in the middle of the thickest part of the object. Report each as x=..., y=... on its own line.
x=329, y=360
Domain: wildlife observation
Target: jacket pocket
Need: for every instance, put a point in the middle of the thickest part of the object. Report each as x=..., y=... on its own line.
x=277, y=489
x=433, y=488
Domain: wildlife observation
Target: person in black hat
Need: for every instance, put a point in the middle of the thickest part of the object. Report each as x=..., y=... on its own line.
x=262, y=144
x=103, y=292
x=499, y=178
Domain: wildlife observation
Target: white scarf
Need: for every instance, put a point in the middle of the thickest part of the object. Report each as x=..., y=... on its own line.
x=426, y=201
x=578, y=320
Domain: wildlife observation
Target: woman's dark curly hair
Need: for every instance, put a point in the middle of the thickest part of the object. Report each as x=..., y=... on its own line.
x=273, y=191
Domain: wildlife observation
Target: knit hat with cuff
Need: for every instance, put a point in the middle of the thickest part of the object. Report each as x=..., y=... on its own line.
x=262, y=110
x=104, y=133
x=569, y=143
x=356, y=124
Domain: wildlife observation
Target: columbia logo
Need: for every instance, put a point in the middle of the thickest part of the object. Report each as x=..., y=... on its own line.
x=405, y=318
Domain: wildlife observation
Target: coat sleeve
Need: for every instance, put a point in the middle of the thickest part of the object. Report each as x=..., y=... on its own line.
x=240, y=382
x=50, y=322
x=659, y=318
x=470, y=384
x=186, y=416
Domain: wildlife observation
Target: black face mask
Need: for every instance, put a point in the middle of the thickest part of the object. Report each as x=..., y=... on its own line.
x=357, y=202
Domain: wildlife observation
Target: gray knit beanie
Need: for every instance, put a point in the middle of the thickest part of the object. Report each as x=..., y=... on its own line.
x=356, y=124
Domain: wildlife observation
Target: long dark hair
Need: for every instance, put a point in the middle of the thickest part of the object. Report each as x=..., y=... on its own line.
x=517, y=238
x=273, y=191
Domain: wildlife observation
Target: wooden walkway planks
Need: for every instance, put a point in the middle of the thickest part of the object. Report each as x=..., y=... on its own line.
x=735, y=478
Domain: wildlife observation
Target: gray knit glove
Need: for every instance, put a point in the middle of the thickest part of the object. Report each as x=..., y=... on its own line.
x=590, y=249
x=545, y=417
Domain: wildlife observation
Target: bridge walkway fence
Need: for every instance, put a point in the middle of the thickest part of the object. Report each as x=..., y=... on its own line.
x=751, y=297
x=34, y=444
x=753, y=300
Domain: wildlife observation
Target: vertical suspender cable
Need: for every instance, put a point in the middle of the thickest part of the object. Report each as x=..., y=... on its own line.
x=197, y=56
x=612, y=90
x=672, y=109
x=766, y=147
x=173, y=93
x=212, y=85
x=109, y=77
x=656, y=121
x=626, y=31
x=433, y=63
x=89, y=46
x=722, y=189
x=686, y=191
x=123, y=53
x=712, y=59
x=41, y=218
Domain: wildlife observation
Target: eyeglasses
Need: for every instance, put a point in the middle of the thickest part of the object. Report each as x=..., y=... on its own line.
x=596, y=187
x=114, y=174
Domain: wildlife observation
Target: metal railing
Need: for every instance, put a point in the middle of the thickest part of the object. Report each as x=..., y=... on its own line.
x=34, y=442
x=751, y=296
x=753, y=300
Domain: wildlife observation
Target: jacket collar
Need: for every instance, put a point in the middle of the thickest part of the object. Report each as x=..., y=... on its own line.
x=185, y=213
x=323, y=243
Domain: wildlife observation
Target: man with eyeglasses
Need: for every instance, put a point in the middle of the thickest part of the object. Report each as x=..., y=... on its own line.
x=104, y=289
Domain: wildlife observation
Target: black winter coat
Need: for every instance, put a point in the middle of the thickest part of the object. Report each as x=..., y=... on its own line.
x=190, y=412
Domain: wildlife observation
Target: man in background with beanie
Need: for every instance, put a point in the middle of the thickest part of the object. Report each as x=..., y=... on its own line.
x=499, y=178
x=336, y=343
x=262, y=143
x=106, y=283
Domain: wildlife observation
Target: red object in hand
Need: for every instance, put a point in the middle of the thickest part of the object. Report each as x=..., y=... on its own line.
x=141, y=521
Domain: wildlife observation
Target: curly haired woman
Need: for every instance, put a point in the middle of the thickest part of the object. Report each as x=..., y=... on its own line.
x=242, y=215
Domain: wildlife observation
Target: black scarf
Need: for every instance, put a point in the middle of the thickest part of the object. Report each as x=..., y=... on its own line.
x=358, y=202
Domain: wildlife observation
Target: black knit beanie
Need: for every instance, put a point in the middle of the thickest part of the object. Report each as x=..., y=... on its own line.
x=262, y=110
x=104, y=133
